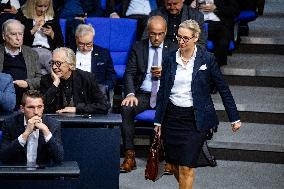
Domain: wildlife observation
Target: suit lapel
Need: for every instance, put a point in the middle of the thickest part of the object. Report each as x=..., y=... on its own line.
x=2, y=49
x=145, y=55
x=197, y=63
x=94, y=60
x=27, y=62
x=76, y=84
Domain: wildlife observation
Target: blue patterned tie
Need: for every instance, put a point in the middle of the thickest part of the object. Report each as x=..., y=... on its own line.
x=154, y=88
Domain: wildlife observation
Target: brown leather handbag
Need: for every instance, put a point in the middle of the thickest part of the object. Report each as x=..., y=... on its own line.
x=155, y=163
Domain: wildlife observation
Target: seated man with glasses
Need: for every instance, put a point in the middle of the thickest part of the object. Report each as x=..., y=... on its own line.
x=71, y=90
x=92, y=58
x=141, y=81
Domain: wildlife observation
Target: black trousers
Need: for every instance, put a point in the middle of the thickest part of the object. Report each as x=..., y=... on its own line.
x=128, y=114
x=221, y=36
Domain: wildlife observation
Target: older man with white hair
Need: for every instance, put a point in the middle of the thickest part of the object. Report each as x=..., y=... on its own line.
x=93, y=58
x=18, y=60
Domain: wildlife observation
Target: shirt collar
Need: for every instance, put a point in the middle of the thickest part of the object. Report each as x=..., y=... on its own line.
x=80, y=53
x=15, y=53
x=160, y=46
x=178, y=56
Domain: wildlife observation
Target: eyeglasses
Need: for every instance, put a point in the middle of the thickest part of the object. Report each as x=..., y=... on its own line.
x=90, y=44
x=56, y=63
x=153, y=34
x=184, y=38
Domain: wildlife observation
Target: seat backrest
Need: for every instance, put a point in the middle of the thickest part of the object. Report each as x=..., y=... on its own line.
x=62, y=23
x=117, y=35
x=103, y=4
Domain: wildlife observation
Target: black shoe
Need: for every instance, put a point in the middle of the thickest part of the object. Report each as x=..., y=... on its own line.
x=213, y=162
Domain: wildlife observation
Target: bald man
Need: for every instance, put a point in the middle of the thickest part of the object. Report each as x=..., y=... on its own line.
x=140, y=78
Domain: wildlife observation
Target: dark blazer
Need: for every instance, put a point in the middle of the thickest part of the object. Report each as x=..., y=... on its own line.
x=102, y=67
x=204, y=110
x=187, y=13
x=12, y=152
x=87, y=96
x=29, y=38
x=136, y=68
x=33, y=67
x=227, y=11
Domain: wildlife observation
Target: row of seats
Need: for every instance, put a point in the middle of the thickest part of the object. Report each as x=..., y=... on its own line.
x=118, y=35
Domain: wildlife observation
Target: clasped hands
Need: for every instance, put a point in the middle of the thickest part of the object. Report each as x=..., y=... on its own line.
x=33, y=124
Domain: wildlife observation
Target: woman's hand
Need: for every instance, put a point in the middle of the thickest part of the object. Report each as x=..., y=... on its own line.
x=48, y=31
x=37, y=26
x=236, y=126
x=12, y=10
x=158, y=130
x=55, y=78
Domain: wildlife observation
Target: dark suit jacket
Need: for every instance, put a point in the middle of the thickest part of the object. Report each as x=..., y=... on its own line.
x=227, y=10
x=87, y=96
x=102, y=67
x=187, y=13
x=136, y=68
x=12, y=152
x=29, y=38
x=205, y=114
x=33, y=67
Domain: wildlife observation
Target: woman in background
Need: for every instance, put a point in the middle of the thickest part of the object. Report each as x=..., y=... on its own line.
x=42, y=30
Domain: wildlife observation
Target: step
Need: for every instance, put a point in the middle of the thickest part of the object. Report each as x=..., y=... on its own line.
x=255, y=104
x=261, y=45
x=273, y=7
x=255, y=70
x=253, y=142
x=227, y=175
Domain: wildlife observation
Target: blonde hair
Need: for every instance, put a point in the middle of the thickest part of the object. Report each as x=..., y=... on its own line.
x=84, y=29
x=192, y=25
x=70, y=56
x=29, y=9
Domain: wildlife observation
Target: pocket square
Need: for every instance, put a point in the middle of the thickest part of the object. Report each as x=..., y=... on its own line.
x=203, y=67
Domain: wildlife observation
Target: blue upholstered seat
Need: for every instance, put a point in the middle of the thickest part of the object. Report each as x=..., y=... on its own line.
x=146, y=116
x=247, y=15
x=0, y=137
x=210, y=45
x=117, y=35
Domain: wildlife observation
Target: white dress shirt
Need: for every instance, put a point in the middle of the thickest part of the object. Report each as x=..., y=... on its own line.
x=84, y=61
x=40, y=38
x=138, y=7
x=13, y=53
x=32, y=144
x=181, y=94
x=147, y=83
x=210, y=15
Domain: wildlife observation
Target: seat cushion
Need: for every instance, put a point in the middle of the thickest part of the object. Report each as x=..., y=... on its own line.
x=247, y=16
x=146, y=116
x=119, y=70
